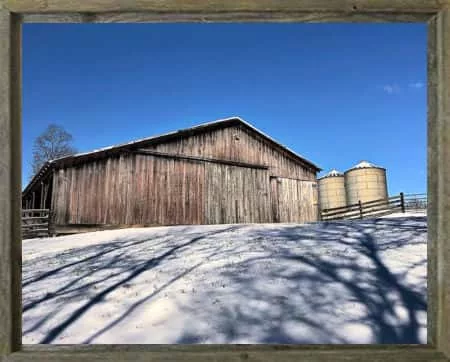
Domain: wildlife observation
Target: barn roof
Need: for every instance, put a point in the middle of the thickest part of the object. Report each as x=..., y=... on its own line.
x=204, y=127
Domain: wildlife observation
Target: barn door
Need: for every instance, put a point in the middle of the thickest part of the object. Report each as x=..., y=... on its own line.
x=293, y=200
x=236, y=194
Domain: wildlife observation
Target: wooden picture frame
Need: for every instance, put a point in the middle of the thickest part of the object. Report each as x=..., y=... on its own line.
x=436, y=13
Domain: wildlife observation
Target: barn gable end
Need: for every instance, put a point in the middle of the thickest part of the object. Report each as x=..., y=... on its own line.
x=241, y=144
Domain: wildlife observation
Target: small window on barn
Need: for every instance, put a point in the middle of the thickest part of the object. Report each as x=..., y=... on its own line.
x=236, y=137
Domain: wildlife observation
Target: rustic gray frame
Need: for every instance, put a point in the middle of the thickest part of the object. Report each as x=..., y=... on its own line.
x=435, y=12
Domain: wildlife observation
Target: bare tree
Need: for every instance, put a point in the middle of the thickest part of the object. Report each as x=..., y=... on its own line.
x=53, y=143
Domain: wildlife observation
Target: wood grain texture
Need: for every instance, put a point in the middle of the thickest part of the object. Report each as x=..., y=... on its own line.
x=439, y=179
x=235, y=163
x=129, y=190
x=218, y=6
x=236, y=195
x=294, y=201
x=230, y=353
x=237, y=144
x=10, y=184
x=432, y=184
x=180, y=156
x=268, y=16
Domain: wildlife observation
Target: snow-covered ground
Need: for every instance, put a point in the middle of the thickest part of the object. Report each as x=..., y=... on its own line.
x=335, y=282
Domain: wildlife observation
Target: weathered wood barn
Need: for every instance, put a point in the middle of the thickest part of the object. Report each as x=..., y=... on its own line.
x=224, y=171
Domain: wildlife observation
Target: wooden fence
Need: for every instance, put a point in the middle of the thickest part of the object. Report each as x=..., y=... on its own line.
x=416, y=202
x=362, y=210
x=36, y=223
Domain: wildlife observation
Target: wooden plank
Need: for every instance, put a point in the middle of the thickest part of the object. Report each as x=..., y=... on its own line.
x=149, y=195
x=35, y=228
x=232, y=7
x=129, y=197
x=160, y=180
x=55, y=196
x=34, y=218
x=46, y=186
x=66, y=196
x=41, y=195
x=107, y=192
x=91, y=193
x=439, y=211
x=356, y=210
x=439, y=181
x=137, y=190
x=356, y=214
x=191, y=182
x=367, y=203
x=10, y=185
x=83, y=181
x=295, y=200
x=301, y=209
x=28, y=211
x=200, y=159
x=231, y=353
x=71, y=197
x=274, y=199
x=35, y=225
x=216, y=143
x=184, y=214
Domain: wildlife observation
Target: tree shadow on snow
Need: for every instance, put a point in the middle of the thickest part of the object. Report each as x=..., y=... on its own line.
x=320, y=283
x=107, y=261
x=328, y=284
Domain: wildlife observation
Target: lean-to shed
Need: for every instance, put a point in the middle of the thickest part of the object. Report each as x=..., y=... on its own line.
x=225, y=171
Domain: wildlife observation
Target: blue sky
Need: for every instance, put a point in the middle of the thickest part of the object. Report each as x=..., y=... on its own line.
x=334, y=93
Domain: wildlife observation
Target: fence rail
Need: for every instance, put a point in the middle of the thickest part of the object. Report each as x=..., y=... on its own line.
x=36, y=223
x=416, y=202
x=398, y=203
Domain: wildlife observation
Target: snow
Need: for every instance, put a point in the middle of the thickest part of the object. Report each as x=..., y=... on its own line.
x=333, y=173
x=333, y=282
x=364, y=164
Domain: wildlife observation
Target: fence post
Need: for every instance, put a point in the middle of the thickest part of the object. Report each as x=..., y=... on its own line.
x=360, y=209
x=51, y=224
x=402, y=201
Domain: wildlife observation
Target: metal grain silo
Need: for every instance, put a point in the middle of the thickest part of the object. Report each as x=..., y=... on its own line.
x=365, y=182
x=332, y=190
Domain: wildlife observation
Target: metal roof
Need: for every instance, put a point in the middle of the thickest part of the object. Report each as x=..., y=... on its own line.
x=364, y=164
x=332, y=173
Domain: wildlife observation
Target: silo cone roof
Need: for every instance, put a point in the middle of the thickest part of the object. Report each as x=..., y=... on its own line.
x=364, y=164
x=332, y=173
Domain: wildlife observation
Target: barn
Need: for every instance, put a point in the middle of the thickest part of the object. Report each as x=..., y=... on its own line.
x=221, y=172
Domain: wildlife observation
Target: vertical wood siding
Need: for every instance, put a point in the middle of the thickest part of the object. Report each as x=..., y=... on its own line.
x=294, y=200
x=144, y=189
x=130, y=189
x=236, y=195
x=238, y=144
